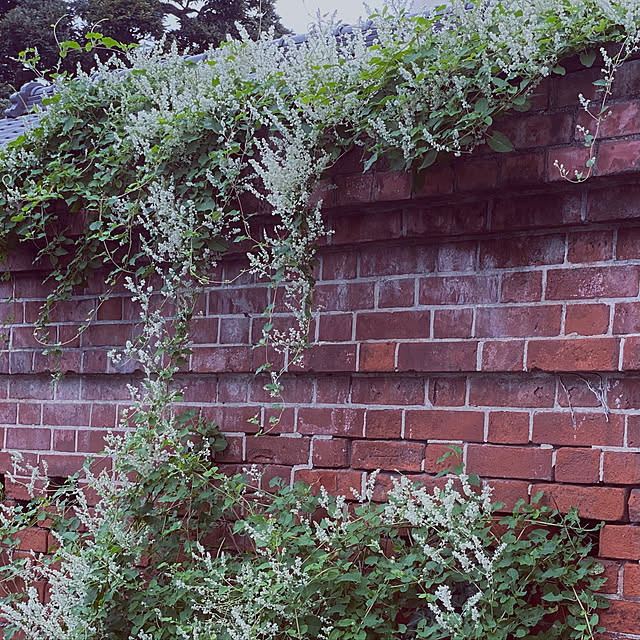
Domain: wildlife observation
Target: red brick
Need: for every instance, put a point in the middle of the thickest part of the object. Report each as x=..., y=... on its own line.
x=383, y=423
x=436, y=180
x=457, y=256
x=204, y=330
x=278, y=450
x=574, y=159
x=522, y=251
x=8, y=413
x=599, y=503
x=633, y=431
x=631, y=587
x=339, y=265
x=522, y=286
x=447, y=220
x=437, y=356
x=623, y=393
x=31, y=388
x=587, y=319
x=631, y=354
x=503, y=355
x=591, y=429
x=233, y=419
x=430, y=424
x=434, y=452
x=586, y=354
x=610, y=573
x=509, y=492
x=382, y=454
x=276, y=421
x=354, y=189
x=447, y=392
x=65, y=414
x=590, y=246
x=392, y=325
x=64, y=440
x=458, y=290
x=592, y=282
x=101, y=335
x=331, y=422
x=338, y=482
x=477, y=174
x=103, y=415
x=626, y=318
x=634, y=506
x=620, y=541
x=512, y=391
x=91, y=441
x=376, y=356
x=233, y=452
x=344, y=296
x=581, y=466
x=330, y=453
x=622, y=119
x=221, y=359
x=30, y=413
x=231, y=389
x=396, y=391
x=620, y=467
x=335, y=327
x=63, y=466
x=501, y=322
x=32, y=539
x=237, y=300
x=523, y=168
x=329, y=358
x=332, y=389
x=622, y=617
x=392, y=185
x=391, y=261
x=508, y=427
x=396, y=293
x=452, y=323
x=353, y=229
x=617, y=155
x=620, y=203
x=109, y=309
x=492, y=461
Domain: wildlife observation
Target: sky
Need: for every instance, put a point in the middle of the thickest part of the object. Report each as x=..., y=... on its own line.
x=298, y=14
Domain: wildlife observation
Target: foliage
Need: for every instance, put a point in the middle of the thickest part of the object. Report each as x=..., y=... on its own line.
x=175, y=549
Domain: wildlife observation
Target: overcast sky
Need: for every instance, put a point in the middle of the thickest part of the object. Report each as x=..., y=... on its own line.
x=297, y=14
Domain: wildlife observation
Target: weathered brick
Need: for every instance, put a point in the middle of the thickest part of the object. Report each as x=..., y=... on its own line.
x=633, y=505
x=447, y=220
x=522, y=168
x=332, y=389
x=631, y=588
x=30, y=413
x=458, y=290
x=396, y=293
x=392, y=390
x=580, y=466
x=392, y=185
x=335, y=327
x=491, y=461
x=623, y=393
x=447, y=392
x=522, y=251
x=620, y=541
x=615, y=156
x=622, y=119
x=339, y=265
x=390, y=261
x=587, y=319
x=337, y=482
x=331, y=422
x=503, y=355
x=620, y=203
x=437, y=356
x=64, y=440
x=31, y=439
x=66, y=414
x=512, y=391
x=509, y=492
x=383, y=423
x=620, y=467
x=205, y=330
x=457, y=256
x=375, y=357
x=382, y=454
x=221, y=359
x=626, y=318
x=526, y=321
x=278, y=450
x=537, y=130
x=592, y=282
x=344, y=297
x=452, y=323
x=508, y=427
x=622, y=617
x=330, y=453
x=432, y=424
x=631, y=354
x=590, y=429
x=353, y=229
x=328, y=358
x=599, y=503
x=477, y=174
x=354, y=189
x=590, y=246
x=586, y=354
x=522, y=286
x=571, y=159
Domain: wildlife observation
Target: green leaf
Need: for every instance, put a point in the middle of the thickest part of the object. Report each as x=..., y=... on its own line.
x=499, y=142
x=588, y=58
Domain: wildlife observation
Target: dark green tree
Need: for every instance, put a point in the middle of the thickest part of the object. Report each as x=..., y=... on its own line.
x=125, y=20
x=208, y=22
x=29, y=23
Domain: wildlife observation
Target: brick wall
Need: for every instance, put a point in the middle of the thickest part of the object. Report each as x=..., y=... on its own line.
x=491, y=305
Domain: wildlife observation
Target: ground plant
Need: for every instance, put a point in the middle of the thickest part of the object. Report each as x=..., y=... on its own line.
x=167, y=164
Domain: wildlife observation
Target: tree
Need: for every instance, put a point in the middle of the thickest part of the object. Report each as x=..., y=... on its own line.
x=29, y=23
x=125, y=20
x=208, y=22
